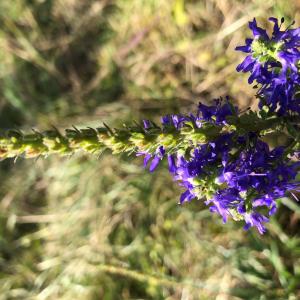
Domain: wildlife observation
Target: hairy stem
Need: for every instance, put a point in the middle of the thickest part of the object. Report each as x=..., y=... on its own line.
x=130, y=139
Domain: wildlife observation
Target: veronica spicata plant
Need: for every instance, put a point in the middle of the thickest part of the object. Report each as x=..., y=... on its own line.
x=217, y=154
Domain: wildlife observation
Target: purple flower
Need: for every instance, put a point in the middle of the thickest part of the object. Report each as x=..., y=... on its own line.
x=216, y=113
x=157, y=158
x=172, y=163
x=257, y=220
x=236, y=174
x=272, y=63
x=147, y=124
x=176, y=121
x=236, y=184
x=257, y=31
x=213, y=114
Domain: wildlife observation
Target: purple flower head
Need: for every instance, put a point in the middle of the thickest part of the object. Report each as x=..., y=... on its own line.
x=236, y=184
x=273, y=63
x=222, y=162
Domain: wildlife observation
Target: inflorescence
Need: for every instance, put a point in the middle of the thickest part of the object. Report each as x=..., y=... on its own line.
x=218, y=155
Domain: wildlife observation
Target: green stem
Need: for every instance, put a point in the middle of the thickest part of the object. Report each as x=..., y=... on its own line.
x=131, y=139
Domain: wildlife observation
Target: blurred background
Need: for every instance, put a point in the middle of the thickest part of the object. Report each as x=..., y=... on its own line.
x=88, y=228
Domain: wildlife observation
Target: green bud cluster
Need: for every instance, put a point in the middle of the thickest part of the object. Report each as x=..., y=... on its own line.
x=132, y=139
x=14, y=143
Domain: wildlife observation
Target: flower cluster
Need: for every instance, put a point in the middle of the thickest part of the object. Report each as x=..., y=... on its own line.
x=236, y=173
x=237, y=182
x=273, y=63
x=214, y=115
x=218, y=155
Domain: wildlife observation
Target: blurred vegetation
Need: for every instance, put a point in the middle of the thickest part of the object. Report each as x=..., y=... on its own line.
x=88, y=228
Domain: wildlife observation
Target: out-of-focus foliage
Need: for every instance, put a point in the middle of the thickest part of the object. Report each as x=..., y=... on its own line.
x=82, y=228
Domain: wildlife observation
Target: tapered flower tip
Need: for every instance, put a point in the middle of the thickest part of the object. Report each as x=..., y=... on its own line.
x=186, y=197
x=257, y=31
x=245, y=48
x=255, y=220
x=147, y=124
x=172, y=164
x=154, y=163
